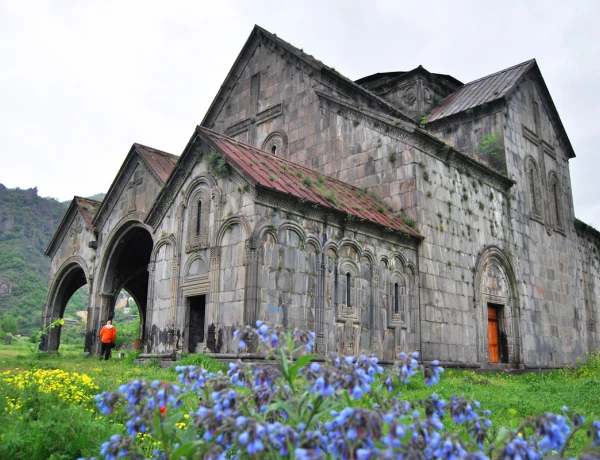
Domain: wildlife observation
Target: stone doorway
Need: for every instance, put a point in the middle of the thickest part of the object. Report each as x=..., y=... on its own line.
x=494, y=333
x=496, y=310
x=196, y=322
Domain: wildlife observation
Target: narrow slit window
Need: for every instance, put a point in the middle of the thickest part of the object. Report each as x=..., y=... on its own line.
x=396, y=299
x=348, y=289
x=274, y=150
x=199, y=218
x=556, y=204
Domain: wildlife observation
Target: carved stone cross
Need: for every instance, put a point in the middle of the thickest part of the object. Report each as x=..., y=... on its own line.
x=76, y=227
x=137, y=180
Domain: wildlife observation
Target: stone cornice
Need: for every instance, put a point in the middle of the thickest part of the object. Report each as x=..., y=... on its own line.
x=417, y=138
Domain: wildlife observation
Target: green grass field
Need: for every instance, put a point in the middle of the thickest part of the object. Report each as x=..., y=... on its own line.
x=59, y=421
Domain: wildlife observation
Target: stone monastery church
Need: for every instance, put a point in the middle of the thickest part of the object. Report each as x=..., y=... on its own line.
x=402, y=211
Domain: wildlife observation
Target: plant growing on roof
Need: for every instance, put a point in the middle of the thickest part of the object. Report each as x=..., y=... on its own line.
x=217, y=164
x=306, y=181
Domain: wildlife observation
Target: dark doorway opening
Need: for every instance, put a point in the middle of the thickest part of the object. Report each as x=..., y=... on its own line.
x=196, y=314
x=494, y=335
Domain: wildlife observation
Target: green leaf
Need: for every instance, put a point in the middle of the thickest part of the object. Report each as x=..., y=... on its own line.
x=186, y=450
x=299, y=364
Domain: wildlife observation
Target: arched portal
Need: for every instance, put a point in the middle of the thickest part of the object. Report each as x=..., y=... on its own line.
x=125, y=266
x=497, y=310
x=68, y=280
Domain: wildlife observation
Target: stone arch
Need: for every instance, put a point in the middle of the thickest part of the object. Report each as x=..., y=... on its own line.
x=226, y=226
x=311, y=239
x=367, y=254
x=533, y=185
x=276, y=143
x=333, y=247
x=72, y=275
x=347, y=242
x=264, y=229
x=201, y=179
x=124, y=265
x=495, y=287
x=556, y=205
x=294, y=227
x=198, y=265
x=383, y=262
x=396, y=255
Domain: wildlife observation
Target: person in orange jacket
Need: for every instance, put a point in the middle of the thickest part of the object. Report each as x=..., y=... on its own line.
x=108, y=334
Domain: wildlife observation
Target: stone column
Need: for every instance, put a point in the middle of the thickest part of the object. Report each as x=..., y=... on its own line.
x=252, y=296
x=102, y=318
x=320, y=306
x=374, y=314
x=212, y=303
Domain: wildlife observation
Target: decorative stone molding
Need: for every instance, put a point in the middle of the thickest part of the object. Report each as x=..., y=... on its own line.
x=495, y=283
x=347, y=311
x=535, y=193
x=396, y=318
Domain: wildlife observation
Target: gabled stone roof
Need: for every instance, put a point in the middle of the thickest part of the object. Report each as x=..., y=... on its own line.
x=86, y=207
x=161, y=164
x=309, y=64
x=271, y=172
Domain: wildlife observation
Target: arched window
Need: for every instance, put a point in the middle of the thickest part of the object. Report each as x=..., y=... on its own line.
x=396, y=299
x=276, y=143
x=534, y=189
x=199, y=218
x=555, y=202
x=348, y=297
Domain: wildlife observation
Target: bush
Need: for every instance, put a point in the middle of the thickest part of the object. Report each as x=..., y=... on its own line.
x=347, y=407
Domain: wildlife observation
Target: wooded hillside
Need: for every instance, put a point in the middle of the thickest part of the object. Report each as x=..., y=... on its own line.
x=27, y=223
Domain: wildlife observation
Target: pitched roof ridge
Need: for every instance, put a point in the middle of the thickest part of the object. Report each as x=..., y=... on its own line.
x=314, y=61
x=156, y=151
x=77, y=197
x=524, y=63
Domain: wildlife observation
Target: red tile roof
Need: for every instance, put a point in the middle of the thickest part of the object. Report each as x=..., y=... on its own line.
x=162, y=163
x=88, y=209
x=272, y=172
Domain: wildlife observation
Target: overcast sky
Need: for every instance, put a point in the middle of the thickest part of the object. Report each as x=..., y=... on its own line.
x=80, y=81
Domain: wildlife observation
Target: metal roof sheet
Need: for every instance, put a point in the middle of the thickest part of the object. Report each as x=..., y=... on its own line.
x=88, y=209
x=272, y=172
x=481, y=91
x=162, y=163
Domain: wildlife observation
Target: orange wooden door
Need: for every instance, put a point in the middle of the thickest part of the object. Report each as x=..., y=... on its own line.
x=493, y=333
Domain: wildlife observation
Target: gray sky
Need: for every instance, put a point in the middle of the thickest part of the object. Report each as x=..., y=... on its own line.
x=80, y=81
